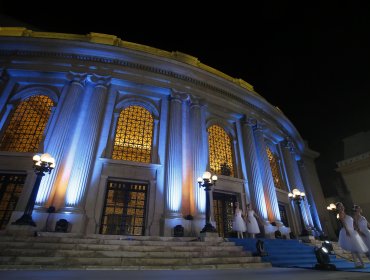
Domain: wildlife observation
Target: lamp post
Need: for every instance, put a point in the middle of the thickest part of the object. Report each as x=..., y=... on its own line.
x=41, y=165
x=207, y=182
x=298, y=196
x=333, y=209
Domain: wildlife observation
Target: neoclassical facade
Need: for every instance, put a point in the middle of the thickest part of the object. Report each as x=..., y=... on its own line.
x=131, y=129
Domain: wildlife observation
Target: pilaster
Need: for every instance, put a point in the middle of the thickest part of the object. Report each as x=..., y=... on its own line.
x=174, y=157
x=294, y=178
x=86, y=144
x=64, y=128
x=253, y=171
x=267, y=179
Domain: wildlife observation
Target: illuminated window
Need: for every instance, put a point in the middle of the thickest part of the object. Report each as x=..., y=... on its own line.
x=220, y=153
x=275, y=169
x=134, y=135
x=27, y=124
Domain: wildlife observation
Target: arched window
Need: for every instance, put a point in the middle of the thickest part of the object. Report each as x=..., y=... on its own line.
x=275, y=169
x=27, y=124
x=220, y=152
x=134, y=135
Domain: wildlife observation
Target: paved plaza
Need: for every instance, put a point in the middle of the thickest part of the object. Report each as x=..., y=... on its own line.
x=239, y=274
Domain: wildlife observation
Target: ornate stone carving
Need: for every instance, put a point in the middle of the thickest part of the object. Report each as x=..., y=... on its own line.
x=98, y=80
x=178, y=96
x=79, y=78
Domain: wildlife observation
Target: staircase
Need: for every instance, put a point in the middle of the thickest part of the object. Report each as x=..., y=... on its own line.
x=294, y=253
x=282, y=252
x=94, y=251
x=340, y=253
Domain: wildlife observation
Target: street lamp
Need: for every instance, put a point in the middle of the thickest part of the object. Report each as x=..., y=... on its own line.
x=41, y=165
x=333, y=209
x=298, y=196
x=207, y=181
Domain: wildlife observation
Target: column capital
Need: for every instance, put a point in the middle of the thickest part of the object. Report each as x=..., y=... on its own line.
x=196, y=101
x=78, y=78
x=97, y=80
x=178, y=96
x=252, y=122
x=260, y=126
x=288, y=144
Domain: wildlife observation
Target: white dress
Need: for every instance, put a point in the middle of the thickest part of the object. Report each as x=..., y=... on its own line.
x=238, y=222
x=251, y=221
x=362, y=224
x=352, y=243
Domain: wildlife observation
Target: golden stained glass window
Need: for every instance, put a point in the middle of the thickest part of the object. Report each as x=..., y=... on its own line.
x=134, y=135
x=27, y=124
x=220, y=152
x=274, y=164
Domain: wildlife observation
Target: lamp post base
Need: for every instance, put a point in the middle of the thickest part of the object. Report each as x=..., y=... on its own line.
x=304, y=232
x=208, y=228
x=25, y=220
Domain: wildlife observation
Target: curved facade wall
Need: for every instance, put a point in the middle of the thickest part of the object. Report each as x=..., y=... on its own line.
x=91, y=80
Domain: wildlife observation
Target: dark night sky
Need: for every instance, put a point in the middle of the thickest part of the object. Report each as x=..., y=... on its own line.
x=312, y=62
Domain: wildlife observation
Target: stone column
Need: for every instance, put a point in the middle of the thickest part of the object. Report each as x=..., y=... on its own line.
x=6, y=86
x=310, y=199
x=267, y=179
x=241, y=155
x=174, y=158
x=198, y=155
x=294, y=178
x=60, y=137
x=253, y=171
x=86, y=144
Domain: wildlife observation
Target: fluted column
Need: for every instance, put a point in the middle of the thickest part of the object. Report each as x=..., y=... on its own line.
x=64, y=128
x=267, y=179
x=86, y=144
x=253, y=170
x=310, y=199
x=293, y=174
x=174, y=157
x=6, y=88
x=198, y=155
x=243, y=167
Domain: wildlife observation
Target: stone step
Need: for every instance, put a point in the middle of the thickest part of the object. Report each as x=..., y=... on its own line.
x=122, y=253
x=98, y=247
x=73, y=251
x=138, y=267
x=117, y=261
x=59, y=240
x=340, y=253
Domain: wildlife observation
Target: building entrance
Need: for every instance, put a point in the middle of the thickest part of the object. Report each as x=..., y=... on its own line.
x=223, y=209
x=125, y=208
x=11, y=186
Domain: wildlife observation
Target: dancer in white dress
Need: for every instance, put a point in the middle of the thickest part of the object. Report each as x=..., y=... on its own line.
x=362, y=226
x=238, y=221
x=349, y=239
x=251, y=221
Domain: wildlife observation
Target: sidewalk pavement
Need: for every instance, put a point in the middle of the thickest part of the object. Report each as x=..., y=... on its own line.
x=240, y=274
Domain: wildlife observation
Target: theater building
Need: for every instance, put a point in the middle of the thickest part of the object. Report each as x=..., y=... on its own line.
x=131, y=128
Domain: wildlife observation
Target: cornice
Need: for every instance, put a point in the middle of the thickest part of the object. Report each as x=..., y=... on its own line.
x=114, y=41
x=111, y=40
x=355, y=163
